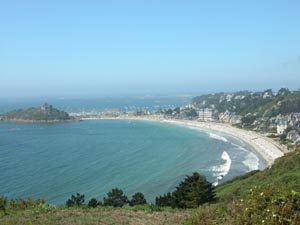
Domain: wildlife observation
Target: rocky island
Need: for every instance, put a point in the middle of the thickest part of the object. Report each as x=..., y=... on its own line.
x=43, y=114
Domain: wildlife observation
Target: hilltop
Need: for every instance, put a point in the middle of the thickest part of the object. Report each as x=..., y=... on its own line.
x=44, y=113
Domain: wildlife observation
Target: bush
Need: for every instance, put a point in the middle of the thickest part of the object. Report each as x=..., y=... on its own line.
x=3, y=204
x=272, y=205
x=77, y=200
x=165, y=200
x=93, y=203
x=195, y=190
x=138, y=199
x=115, y=198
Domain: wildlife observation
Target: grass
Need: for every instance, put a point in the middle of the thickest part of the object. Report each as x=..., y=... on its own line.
x=100, y=215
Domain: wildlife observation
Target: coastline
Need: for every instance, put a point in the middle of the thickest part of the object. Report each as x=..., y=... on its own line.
x=267, y=148
x=39, y=121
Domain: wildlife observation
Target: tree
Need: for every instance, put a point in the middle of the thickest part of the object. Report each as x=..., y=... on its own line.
x=138, y=199
x=165, y=200
x=115, y=198
x=77, y=200
x=177, y=110
x=194, y=191
x=248, y=119
x=94, y=203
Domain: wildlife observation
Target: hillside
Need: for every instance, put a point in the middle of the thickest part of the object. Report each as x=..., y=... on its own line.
x=44, y=113
x=266, y=103
x=271, y=196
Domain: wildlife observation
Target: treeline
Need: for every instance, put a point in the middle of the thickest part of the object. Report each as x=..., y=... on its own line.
x=195, y=190
x=115, y=198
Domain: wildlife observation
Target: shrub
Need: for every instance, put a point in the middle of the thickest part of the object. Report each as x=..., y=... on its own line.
x=93, y=203
x=271, y=205
x=115, y=198
x=195, y=190
x=3, y=204
x=138, y=199
x=77, y=200
x=165, y=200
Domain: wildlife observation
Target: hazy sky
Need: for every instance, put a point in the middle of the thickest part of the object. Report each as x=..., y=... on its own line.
x=62, y=48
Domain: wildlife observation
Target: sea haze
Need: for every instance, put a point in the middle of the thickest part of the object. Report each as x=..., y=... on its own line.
x=92, y=157
x=148, y=102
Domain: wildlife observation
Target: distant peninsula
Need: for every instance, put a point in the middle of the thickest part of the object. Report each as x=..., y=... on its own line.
x=43, y=114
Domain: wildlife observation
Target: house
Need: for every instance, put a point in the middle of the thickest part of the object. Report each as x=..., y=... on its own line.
x=230, y=117
x=294, y=136
x=46, y=108
x=281, y=126
x=207, y=114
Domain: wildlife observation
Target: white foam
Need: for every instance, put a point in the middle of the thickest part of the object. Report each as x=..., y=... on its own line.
x=222, y=170
x=215, y=136
x=251, y=161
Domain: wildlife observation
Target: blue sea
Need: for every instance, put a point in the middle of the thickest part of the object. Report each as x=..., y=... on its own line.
x=57, y=160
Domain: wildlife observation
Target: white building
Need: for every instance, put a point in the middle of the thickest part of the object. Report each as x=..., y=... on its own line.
x=281, y=126
x=207, y=114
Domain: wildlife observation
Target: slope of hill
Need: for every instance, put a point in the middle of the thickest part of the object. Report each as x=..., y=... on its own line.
x=264, y=103
x=271, y=196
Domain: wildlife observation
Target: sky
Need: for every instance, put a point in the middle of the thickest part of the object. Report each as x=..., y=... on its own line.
x=126, y=47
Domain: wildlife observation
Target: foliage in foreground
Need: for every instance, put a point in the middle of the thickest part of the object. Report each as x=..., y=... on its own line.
x=271, y=205
x=18, y=204
x=145, y=214
x=195, y=190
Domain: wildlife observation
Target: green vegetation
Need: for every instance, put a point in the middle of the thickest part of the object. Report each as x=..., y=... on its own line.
x=75, y=200
x=44, y=113
x=138, y=199
x=94, y=203
x=115, y=198
x=195, y=190
x=270, y=197
x=49, y=215
x=261, y=104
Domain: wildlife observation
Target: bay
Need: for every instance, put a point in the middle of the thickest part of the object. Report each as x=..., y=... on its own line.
x=92, y=157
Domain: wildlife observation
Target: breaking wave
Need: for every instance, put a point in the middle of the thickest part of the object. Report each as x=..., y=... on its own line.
x=215, y=136
x=222, y=170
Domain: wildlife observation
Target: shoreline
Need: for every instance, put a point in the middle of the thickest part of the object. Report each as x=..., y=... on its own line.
x=267, y=148
x=39, y=121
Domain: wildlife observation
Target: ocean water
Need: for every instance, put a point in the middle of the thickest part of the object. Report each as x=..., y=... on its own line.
x=89, y=103
x=92, y=157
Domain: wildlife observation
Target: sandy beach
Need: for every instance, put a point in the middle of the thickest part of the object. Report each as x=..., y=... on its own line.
x=264, y=146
